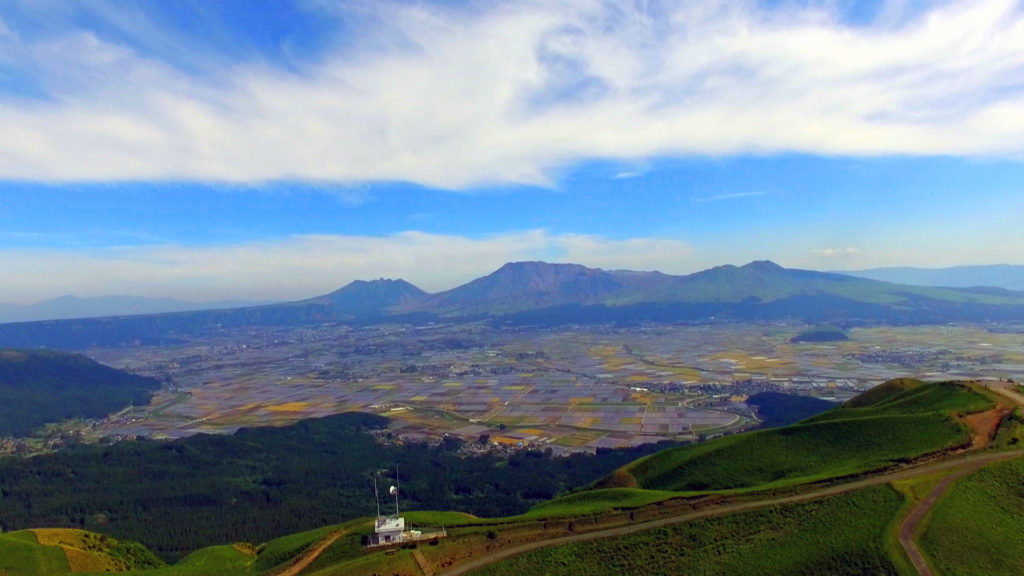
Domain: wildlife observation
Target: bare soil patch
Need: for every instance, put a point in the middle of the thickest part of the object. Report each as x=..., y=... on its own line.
x=984, y=425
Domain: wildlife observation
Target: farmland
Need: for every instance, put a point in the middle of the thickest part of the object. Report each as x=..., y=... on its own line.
x=567, y=388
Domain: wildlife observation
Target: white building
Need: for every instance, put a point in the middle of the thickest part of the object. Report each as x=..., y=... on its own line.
x=388, y=531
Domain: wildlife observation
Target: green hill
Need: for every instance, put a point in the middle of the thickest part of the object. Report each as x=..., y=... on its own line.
x=977, y=529
x=40, y=386
x=835, y=536
x=46, y=552
x=898, y=423
x=21, y=553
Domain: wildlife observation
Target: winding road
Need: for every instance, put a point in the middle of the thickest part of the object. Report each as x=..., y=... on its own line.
x=960, y=466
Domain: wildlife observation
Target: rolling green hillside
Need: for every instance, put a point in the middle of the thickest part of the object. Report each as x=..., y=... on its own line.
x=898, y=423
x=977, y=529
x=834, y=536
x=49, y=552
x=21, y=554
x=40, y=386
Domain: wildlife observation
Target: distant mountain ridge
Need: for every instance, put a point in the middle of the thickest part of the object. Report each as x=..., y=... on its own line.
x=550, y=294
x=1005, y=276
x=70, y=306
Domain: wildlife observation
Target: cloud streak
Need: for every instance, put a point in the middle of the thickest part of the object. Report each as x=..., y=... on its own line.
x=732, y=196
x=511, y=92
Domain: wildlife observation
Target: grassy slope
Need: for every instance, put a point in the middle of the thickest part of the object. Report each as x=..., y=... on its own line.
x=838, y=535
x=902, y=421
x=597, y=501
x=21, y=554
x=61, y=551
x=224, y=560
x=978, y=527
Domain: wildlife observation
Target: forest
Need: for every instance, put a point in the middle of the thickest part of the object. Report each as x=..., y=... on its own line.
x=43, y=386
x=261, y=483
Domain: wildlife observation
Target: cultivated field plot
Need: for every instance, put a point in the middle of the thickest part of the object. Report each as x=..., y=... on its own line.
x=576, y=388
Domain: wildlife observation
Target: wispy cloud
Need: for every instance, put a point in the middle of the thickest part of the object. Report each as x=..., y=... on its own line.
x=732, y=196
x=510, y=92
x=837, y=252
x=304, y=266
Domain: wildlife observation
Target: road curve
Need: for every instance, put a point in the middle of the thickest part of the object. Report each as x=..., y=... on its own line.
x=911, y=522
x=965, y=462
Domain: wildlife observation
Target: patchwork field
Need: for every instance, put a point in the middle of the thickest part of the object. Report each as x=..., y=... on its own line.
x=568, y=389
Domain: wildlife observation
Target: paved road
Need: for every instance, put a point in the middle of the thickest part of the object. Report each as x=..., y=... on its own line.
x=964, y=462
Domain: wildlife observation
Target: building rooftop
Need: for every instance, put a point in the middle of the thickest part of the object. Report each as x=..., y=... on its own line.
x=390, y=524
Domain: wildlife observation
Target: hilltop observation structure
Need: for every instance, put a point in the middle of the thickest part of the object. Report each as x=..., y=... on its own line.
x=390, y=530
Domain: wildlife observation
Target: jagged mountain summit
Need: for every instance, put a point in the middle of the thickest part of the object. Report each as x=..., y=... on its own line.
x=545, y=293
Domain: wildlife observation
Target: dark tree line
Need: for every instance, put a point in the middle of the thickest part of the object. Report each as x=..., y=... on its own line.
x=261, y=483
x=42, y=386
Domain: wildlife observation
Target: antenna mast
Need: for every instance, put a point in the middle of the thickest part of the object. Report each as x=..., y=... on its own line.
x=376, y=498
x=398, y=486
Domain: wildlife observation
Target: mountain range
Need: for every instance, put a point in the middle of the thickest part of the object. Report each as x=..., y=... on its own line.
x=66, y=307
x=1007, y=276
x=548, y=294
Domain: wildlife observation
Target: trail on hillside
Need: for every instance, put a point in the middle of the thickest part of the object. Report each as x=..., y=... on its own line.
x=913, y=520
x=1006, y=390
x=961, y=466
x=302, y=561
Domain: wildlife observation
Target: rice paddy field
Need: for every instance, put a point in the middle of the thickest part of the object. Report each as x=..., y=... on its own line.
x=569, y=389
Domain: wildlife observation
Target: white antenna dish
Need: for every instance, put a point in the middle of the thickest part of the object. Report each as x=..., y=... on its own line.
x=393, y=491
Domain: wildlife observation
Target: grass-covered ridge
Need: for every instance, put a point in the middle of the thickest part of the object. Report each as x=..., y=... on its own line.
x=838, y=535
x=43, y=552
x=898, y=422
x=977, y=528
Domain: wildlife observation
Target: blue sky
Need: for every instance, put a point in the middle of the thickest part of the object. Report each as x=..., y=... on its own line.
x=210, y=150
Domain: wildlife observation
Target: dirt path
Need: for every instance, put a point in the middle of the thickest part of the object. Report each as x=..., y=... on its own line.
x=984, y=425
x=302, y=561
x=965, y=464
x=911, y=522
x=1006, y=390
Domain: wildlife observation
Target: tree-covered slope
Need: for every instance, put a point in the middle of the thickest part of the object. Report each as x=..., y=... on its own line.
x=39, y=387
x=262, y=483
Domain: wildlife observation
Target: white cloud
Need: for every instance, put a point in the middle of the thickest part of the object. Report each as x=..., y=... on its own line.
x=837, y=252
x=509, y=92
x=305, y=266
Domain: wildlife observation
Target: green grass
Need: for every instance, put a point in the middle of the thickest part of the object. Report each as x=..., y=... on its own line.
x=435, y=519
x=834, y=536
x=978, y=527
x=900, y=422
x=884, y=392
x=1011, y=431
x=798, y=454
x=598, y=501
x=281, y=550
x=213, y=561
x=22, y=555
x=944, y=397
